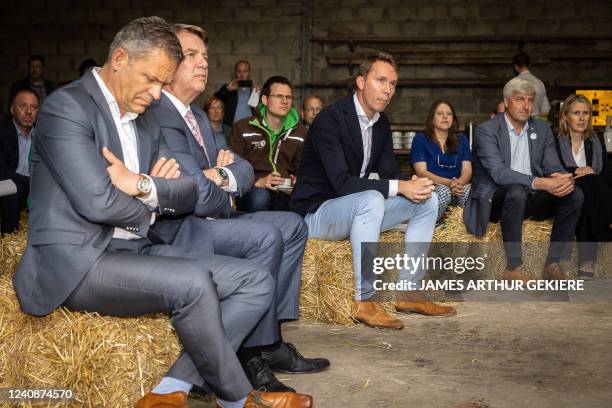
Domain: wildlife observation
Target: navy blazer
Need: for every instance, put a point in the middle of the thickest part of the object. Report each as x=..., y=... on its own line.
x=333, y=155
x=9, y=152
x=178, y=142
x=74, y=206
x=491, y=165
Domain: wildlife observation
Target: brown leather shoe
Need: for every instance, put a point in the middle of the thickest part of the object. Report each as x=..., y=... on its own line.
x=374, y=315
x=426, y=308
x=554, y=272
x=258, y=399
x=517, y=274
x=173, y=400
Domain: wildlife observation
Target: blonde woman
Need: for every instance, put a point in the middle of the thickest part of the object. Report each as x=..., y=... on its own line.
x=583, y=153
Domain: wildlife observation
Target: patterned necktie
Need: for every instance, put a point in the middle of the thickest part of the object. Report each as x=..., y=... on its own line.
x=195, y=130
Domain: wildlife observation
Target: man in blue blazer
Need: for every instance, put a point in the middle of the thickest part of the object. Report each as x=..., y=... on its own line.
x=97, y=186
x=346, y=142
x=219, y=175
x=518, y=175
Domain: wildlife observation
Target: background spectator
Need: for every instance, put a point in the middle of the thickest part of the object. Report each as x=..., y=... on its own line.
x=521, y=63
x=215, y=110
x=235, y=95
x=35, y=80
x=444, y=156
x=15, y=143
x=311, y=106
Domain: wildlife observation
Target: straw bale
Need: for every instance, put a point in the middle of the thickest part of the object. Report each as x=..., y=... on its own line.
x=108, y=362
x=327, y=273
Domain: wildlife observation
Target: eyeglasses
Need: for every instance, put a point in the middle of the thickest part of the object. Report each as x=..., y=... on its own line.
x=447, y=166
x=280, y=97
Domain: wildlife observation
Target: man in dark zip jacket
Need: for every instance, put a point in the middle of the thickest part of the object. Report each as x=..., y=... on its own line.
x=272, y=141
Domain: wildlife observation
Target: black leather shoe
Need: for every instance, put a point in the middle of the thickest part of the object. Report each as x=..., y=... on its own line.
x=286, y=359
x=262, y=378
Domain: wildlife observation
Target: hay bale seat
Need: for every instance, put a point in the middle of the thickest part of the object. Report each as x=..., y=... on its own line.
x=111, y=362
x=106, y=361
x=327, y=274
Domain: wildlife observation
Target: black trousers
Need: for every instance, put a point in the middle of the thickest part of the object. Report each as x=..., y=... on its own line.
x=595, y=217
x=514, y=203
x=11, y=205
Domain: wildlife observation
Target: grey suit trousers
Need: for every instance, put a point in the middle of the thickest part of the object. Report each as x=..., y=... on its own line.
x=272, y=240
x=214, y=302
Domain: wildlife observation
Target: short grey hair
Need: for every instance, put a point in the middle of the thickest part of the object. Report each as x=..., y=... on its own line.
x=142, y=36
x=518, y=84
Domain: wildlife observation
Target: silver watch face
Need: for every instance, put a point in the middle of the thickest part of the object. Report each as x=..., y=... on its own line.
x=144, y=185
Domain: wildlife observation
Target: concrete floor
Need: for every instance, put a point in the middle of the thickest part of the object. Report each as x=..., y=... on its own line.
x=493, y=355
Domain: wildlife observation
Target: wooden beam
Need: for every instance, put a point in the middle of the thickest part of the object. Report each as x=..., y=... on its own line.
x=421, y=83
x=469, y=58
x=458, y=40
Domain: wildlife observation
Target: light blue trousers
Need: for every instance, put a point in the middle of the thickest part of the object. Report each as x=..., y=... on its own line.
x=363, y=216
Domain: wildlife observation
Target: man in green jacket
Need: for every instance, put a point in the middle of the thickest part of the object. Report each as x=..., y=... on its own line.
x=272, y=141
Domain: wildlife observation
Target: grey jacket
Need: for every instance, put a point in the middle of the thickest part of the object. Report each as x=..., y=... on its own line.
x=74, y=206
x=491, y=166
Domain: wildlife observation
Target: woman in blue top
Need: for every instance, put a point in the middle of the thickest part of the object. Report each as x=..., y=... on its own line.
x=444, y=156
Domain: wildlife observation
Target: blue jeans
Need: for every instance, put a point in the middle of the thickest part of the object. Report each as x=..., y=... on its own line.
x=362, y=216
x=261, y=199
x=257, y=199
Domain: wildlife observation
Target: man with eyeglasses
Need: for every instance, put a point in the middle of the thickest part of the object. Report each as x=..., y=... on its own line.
x=272, y=141
x=311, y=106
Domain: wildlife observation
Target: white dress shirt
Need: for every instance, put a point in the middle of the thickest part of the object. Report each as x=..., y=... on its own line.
x=25, y=143
x=580, y=156
x=129, y=147
x=366, y=125
x=520, y=159
x=232, y=186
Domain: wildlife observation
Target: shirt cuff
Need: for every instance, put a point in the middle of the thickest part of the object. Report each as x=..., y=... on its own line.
x=232, y=187
x=151, y=201
x=393, y=187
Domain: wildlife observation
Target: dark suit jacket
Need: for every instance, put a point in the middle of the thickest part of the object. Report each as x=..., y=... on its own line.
x=74, y=206
x=588, y=152
x=333, y=155
x=491, y=165
x=180, y=144
x=9, y=152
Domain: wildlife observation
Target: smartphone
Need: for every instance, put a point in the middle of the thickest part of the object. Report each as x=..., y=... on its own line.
x=245, y=83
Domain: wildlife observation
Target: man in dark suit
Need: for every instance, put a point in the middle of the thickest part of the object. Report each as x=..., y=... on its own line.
x=90, y=245
x=220, y=175
x=35, y=80
x=518, y=175
x=346, y=142
x=15, y=141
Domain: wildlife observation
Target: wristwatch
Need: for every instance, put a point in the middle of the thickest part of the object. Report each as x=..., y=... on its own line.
x=223, y=176
x=143, y=186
